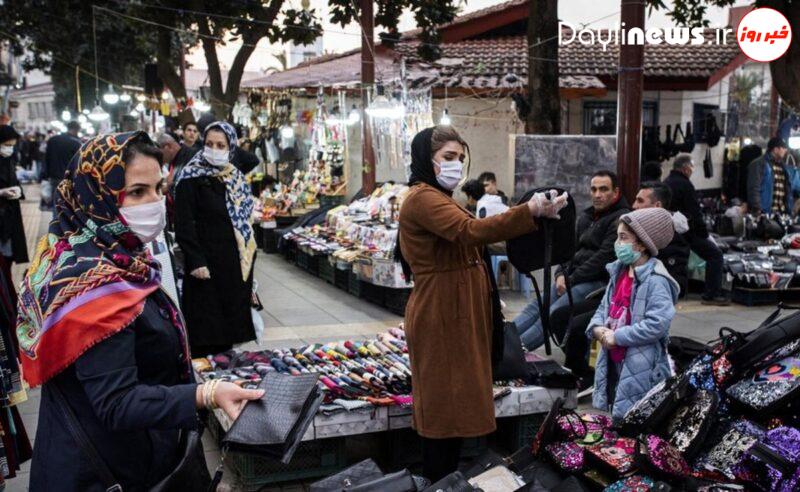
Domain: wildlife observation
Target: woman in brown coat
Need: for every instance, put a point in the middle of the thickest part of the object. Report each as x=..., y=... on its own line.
x=449, y=314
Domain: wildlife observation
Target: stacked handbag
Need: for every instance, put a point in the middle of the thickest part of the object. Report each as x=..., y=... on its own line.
x=728, y=422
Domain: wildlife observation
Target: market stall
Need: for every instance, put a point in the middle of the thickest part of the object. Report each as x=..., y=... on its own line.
x=728, y=420
x=367, y=388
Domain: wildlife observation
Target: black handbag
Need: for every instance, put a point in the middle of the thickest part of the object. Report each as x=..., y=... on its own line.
x=512, y=365
x=534, y=251
x=508, y=358
x=455, y=482
x=190, y=473
x=401, y=481
x=761, y=342
x=275, y=424
x=364, y=471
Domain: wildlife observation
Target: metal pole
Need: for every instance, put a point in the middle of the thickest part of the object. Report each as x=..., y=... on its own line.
x=367, y=81
x=629, y=107
x=78, y=87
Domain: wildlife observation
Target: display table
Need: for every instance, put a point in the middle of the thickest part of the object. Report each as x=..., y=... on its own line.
x=322, y=451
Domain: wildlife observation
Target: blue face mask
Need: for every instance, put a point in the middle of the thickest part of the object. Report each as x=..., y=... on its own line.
x=625, y=253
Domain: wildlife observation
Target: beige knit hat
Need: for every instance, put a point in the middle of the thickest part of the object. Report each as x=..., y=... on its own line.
x=653, y=227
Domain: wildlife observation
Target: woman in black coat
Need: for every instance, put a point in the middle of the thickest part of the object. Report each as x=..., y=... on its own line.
x=13, y=245
x=102, y=339
x=213, y=226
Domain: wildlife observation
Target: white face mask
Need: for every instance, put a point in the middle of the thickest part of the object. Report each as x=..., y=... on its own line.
x=450, y=174
x=147, y=220
x=6, y=150
x=216, y=157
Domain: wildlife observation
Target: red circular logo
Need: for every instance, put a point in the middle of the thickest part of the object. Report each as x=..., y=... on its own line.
x=764, y=34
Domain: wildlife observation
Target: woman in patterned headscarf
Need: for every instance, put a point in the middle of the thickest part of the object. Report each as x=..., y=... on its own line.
x=213, y=207
x=100, y=337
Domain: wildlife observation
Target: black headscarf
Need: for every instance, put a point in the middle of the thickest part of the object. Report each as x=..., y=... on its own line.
x=422, y=161
x=421, y=172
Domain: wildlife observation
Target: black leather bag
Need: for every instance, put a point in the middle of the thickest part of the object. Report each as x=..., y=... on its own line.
x=190, y=473
x=365, y=471
x=512, y=365
x=535, y=251
x=401, y=481
x=770, y=336
x=455, y=482
x=275, y=424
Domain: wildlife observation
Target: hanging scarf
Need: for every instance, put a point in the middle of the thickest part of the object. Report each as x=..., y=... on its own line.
x=90, y=275
x=238, y=197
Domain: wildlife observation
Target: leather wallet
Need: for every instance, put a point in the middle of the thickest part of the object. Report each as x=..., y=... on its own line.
x=365, y=471
x=455, y=482
x=275, y=424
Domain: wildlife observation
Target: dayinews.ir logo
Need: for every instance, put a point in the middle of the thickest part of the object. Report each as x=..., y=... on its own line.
x=620, y=35
x=764, y=34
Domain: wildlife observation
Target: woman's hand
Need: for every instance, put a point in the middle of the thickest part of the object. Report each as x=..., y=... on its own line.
x=227, y=396
x=232, y=398
x=542, y=206
x=201, y=273
x=599, y=333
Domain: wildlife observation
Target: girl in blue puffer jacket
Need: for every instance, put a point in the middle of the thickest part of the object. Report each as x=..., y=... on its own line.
x=633, y=320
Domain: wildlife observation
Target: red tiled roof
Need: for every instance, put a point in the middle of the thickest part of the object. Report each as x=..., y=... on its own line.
x=488, y=62
x=327, y=71
x=463, y=19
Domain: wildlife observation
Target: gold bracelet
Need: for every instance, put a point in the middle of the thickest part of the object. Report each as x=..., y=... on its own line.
x=213, y=394
x=207, y=393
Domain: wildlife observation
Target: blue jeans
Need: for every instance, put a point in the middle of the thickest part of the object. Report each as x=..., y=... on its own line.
x=529, y=323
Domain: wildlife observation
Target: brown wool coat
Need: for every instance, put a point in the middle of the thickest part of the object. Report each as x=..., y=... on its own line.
x=448, y=318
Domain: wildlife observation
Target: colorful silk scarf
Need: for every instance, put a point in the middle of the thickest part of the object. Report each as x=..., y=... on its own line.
x=238, y=196
x=90, y=275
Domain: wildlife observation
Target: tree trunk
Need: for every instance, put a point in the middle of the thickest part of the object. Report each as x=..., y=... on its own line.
x=544, y=116
x=786, y=69
x=166, y=65
x=217, y=96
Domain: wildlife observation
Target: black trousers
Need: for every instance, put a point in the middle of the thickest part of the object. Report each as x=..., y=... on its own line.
x=440, y=457
x=576, y=345
x=708, y=251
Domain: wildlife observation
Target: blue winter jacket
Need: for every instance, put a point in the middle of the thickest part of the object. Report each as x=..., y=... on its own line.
x=646, y=363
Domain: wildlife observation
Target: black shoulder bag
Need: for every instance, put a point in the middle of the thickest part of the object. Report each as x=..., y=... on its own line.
x=190, y=473
x=533, y=251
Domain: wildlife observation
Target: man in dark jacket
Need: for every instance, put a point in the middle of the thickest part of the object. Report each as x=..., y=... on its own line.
x=675, y=257
x=684, y=200
x=596, y=233
x=771, y=185
x=60, y=149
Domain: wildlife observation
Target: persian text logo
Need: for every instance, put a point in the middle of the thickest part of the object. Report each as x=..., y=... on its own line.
x=764, y=34
x=620, y=35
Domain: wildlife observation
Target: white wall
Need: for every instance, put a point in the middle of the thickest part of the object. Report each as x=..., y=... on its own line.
x=674, y=107
x=23, y=120
x=487, y=125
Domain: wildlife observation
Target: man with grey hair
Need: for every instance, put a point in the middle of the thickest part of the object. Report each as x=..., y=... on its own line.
x=684, y=200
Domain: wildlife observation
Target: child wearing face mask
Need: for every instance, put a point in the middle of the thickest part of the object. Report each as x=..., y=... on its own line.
x=633, y=320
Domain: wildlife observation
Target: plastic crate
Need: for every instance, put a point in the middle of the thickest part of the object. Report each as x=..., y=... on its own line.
x=755, y=297
x=312, y=459
x=270, y=241
x=342, y=279
x=327, y=272
x=373, y=293
x=395, y=300
x=331, y=200
x=404, y=448
x=354, y=285
x=516, y=432
x=289, y=251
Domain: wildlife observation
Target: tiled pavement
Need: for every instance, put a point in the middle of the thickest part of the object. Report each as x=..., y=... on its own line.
x=301, y=309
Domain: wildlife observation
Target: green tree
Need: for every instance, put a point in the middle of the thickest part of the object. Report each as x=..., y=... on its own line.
x=130, y=34
x=785, y=70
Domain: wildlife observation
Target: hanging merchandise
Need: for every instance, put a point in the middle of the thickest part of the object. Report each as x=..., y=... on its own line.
x=708, y=164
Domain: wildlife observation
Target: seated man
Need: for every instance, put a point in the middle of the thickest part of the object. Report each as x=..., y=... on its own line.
x=596, y=234
x=489, y=181
x=676, y=255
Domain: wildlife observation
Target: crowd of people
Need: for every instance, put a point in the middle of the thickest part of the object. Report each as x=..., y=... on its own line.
x=112, y=350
